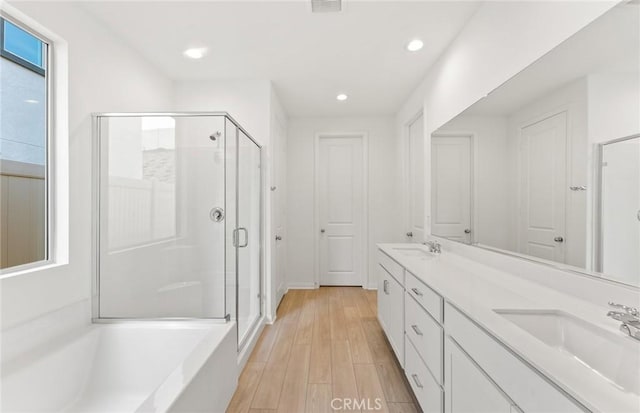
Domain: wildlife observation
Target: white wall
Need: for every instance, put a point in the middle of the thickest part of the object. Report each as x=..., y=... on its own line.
x=104, y=76
x=385, y=224
x=247, y=101
x=613, y=106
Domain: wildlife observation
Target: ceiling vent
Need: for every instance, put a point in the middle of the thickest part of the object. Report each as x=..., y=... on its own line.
x=324, y=6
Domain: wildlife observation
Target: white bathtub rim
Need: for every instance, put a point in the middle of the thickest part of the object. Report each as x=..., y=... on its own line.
x=53, y=346
x=60, y=342
x=172, y=385
x=168, y=392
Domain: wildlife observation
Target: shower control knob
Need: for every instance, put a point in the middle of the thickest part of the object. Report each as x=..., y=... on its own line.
x=558, y=239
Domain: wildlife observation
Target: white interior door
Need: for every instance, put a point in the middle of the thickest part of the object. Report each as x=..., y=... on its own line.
x=279, y=204
x=416, y=180
x=340, y=210
x=543, y=163
x=451, y=187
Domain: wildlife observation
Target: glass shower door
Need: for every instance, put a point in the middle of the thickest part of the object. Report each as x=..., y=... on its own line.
x=248, y=236
x=620, y=204
x=161, y=217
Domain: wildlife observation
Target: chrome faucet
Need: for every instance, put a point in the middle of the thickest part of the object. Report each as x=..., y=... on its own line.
x=434, y=246
x=629, y=317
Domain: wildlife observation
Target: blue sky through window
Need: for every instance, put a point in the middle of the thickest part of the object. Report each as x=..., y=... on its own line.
x=22, y=44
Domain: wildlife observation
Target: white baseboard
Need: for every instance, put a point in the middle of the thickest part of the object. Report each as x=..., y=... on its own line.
x=301, y=286
x=312, y=286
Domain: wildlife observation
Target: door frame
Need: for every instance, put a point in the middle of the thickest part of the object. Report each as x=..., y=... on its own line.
x=473, y=179
x=364, y=136
x=276, y=294
x=407, y=173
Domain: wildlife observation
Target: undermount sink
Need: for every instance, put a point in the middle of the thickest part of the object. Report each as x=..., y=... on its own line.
x=614, y=357
x=413, y=252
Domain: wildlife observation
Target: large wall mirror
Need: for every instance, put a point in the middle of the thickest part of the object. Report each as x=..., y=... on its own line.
x=547, y=166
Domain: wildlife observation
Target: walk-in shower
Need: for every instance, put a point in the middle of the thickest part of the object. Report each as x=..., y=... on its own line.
x=178, y=219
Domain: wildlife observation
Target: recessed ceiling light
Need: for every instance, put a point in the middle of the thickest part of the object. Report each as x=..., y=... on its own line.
x=32, y=101
x=415, y=45
x=342, y=97
x=195, y=53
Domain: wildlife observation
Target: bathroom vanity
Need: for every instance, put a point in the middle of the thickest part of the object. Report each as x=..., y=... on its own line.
x=473, y=338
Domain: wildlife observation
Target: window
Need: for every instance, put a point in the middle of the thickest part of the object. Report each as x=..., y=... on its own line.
x=23, y=146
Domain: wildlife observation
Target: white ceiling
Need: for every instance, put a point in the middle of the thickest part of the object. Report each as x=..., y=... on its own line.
x=611, y=44
x=309, y=57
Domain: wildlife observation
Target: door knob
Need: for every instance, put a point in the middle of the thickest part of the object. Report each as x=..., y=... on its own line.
x=278, y=238
x=216, y=214
x=322, y=231
x=558, y=239
x=467, y=231
x=409, y=234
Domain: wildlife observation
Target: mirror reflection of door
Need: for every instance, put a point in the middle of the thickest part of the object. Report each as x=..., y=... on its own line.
x=543, y=174
x=451, y=187
x=416, y=180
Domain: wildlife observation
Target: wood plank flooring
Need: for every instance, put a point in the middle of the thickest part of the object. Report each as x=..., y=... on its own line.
x=325, y=344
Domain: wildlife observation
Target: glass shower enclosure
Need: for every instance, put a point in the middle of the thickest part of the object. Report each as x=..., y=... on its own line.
x=178, y=225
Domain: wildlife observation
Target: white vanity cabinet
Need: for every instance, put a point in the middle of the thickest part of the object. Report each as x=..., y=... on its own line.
x=526, y=388
x=468, y=388
x=452, y=364
x=411, y=320
x=391, y=309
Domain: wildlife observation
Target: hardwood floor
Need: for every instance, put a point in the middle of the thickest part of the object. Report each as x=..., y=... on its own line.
x=326, y=344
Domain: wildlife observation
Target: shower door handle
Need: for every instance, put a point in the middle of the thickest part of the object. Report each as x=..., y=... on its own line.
x=246, y=237
x=236, y=236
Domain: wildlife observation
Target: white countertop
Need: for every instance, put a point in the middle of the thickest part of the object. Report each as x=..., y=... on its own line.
x=477, y=290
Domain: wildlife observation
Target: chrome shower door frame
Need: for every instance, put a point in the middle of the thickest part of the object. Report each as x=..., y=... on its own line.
x=95, y=219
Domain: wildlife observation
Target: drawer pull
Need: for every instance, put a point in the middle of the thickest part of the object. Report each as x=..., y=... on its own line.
x=416, y=292
x=416, y=329
x=416, y=380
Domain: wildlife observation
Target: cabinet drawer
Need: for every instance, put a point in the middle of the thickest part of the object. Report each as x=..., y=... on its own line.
x=426, y=335
x=428, y=299
x=391, y=266
x=427, y=391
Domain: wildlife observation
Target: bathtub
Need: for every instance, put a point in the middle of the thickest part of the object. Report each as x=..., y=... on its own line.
x=131, y=367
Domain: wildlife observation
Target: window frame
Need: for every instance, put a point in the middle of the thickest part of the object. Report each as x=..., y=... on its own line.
x=42, y=71
x=50, y=150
